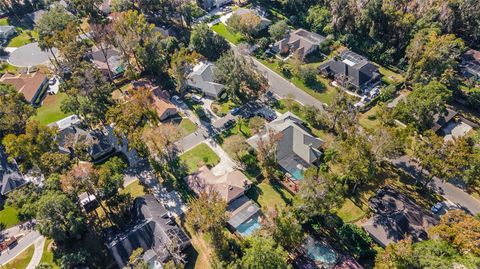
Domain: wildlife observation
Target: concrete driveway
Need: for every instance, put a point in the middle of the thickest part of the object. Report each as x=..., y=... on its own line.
x=30, y=55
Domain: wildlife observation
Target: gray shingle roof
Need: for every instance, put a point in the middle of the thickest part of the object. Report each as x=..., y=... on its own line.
x=202, y=77
x=155, y=231
x=10, y=176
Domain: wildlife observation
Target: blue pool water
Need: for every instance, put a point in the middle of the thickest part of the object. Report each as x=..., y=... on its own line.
x=321, y=252
x=249, y=226
x=297, y=174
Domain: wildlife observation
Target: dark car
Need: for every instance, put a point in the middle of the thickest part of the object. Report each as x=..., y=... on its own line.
x=234, y=111
x=228, y=124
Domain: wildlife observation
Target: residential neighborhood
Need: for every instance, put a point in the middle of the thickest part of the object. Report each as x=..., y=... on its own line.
x=239, y=134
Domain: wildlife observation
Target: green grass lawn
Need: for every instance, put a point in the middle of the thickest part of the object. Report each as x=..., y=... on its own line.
x=22, y=38
x=6, y=67
x=198, y=156
x=322, y=91
x=268, y=195
x=50, y=110
x=135, y=189
x=9, y=216
x=187, y=127
x=222, y=30
x=368, y=120
x=4, y=21
x=350, y=212
x=47, y=257
x=22, y=260
x=223, y=108
x=390, y=77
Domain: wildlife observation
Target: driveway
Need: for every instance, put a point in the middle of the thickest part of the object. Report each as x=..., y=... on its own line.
x=29, y=55
x=449, y=191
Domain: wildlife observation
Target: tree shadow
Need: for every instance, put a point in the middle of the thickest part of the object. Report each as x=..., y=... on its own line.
x=281, y=191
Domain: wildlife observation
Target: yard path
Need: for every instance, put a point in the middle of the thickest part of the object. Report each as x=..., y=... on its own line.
x=226, y=165
x=37, y=254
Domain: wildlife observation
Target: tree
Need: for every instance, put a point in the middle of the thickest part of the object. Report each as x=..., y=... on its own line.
x=207, y=43
x=288, y=231
x=420, y=107
x=318, y=18
x=256, y=124
x=357, y=241
x=14, y=111
x=136, y=261
x=318, y=195
x=278, y=30
x=262, y=253
x=121, y=5
x=342, y=114
x=307, y=74
x=357, y=161
x=389, y=143
x=430, y=54
x=54, y=162
x=160, y=142
x=236, y=145
x=460, y=230
x=29, y=147
x=58, y=217
x=248, y=24
x=180, y=65
x=396, y=255
x=242, y=80
x=267, y=153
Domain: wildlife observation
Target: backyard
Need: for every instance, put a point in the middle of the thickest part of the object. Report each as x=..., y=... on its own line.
x=199, y=156
x=50, y=110
x=269, y=195
x=134, y=188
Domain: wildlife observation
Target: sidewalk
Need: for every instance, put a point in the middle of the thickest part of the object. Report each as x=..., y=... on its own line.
x=37, y=254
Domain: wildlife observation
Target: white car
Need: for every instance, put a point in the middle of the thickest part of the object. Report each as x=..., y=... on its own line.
x=177, y=100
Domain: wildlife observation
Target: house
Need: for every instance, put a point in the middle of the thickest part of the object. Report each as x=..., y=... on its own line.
x=33, y=85
x=88, y=201
x=442, y=119
x=351, y=70
x=161, y=101
x=300, y=41
x=108, y=61
x=231, y=187
x=10, y=176
x=70, y=133
x=6, y=32
x=297, y=149
x=264, y=22
x=36, y=16
x=470, y=64
x=202, y=78
x=211, y=4
x=154, y=231
x=395, y=216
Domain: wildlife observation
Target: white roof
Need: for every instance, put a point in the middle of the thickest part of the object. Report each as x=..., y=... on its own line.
x=66, y=122
x=202, y=77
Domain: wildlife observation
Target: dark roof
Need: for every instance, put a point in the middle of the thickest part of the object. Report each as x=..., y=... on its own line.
x=395, y=217
x=442, y=118
x=100, y=146
x=10, y=176
x=355, y=67
x=155, y=231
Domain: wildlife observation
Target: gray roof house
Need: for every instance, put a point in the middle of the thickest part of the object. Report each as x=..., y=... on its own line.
x=297, y=148
x=470, y=64
x=155, y=232
x=396, y=216
x=202, y=78
x=70, y=132
x=351, y=70
x=6, y=31
x=112, y=58
x=299, y=41
x=10, y=176
x=211, y=4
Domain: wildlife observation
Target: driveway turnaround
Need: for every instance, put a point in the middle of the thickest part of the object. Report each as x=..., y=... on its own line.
x=29, y=55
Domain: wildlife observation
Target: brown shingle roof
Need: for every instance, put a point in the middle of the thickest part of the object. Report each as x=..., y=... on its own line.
x=28, y=84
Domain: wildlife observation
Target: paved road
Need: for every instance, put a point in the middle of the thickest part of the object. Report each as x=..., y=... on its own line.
x=22, y=244
x=447, y=190
x=284, y=88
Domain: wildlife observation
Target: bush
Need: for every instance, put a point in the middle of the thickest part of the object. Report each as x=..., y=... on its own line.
x=357, y=241
x=388, y=93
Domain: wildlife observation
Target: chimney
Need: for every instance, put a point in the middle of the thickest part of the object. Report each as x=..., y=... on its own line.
x=346, y=69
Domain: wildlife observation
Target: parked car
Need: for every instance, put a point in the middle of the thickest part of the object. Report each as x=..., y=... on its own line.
x=437, y=207
x=177, y=100
x=227, y=125
x=234, y=111
x=266, y=113
x=196, y=98
x=52, y=81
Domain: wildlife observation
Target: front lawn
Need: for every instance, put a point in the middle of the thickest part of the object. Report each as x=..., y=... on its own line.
x=8, y=217
x=50, y=110
x=321, y=90
x=22, y=38
x=222, y=108
x=186, y=127
x=22, y=260
x=222, y=30
x=47, y=257
x=199, y=156
x=135, y=189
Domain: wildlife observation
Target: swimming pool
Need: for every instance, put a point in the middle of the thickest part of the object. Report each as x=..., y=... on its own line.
x=320, y=252
x=249, y=226
x=297, y=174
